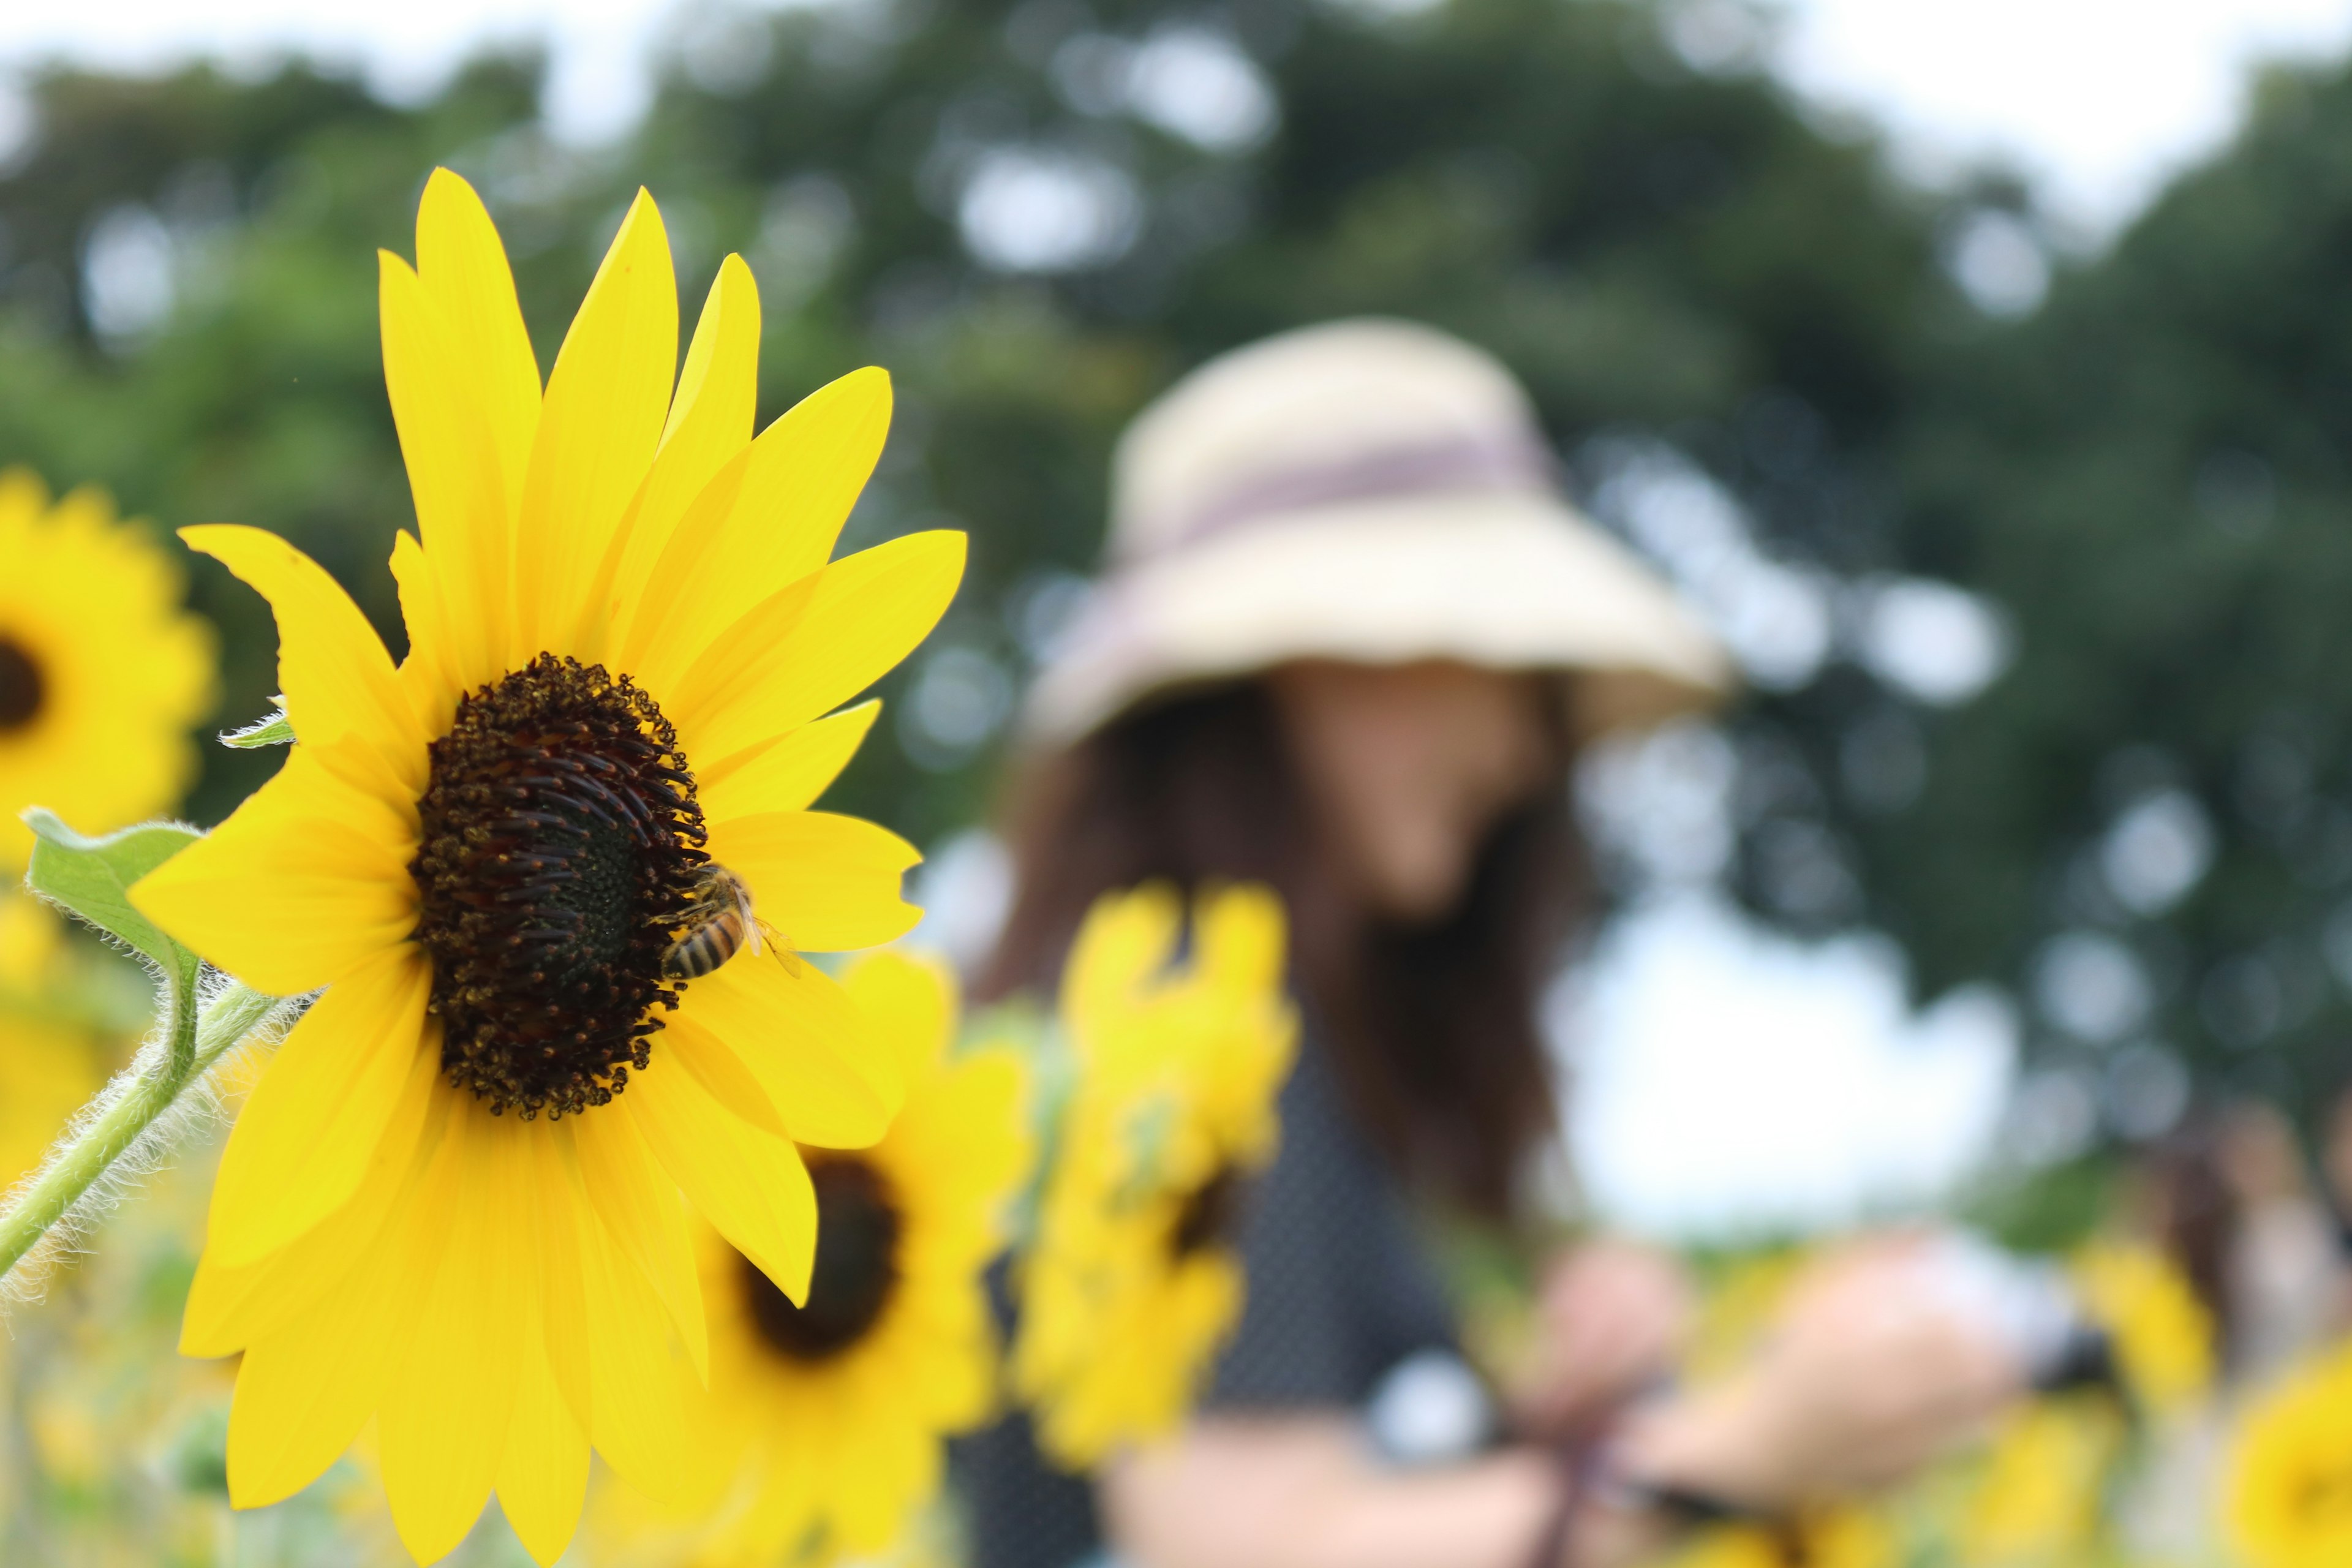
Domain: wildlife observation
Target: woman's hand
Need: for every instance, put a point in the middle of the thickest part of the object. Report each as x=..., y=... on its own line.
x=1610, y=1320
x=1869, y=1372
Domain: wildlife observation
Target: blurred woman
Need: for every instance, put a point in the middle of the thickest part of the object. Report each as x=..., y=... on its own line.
x=1349, y=644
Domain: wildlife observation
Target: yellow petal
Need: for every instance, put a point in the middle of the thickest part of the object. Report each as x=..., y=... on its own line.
x=561, y=1199
x=430, y=674
x=303, y=1394
x=463, y=266
x=462, y=506
x=285, y=895
x=337, y=678
x=331, y=1095
x=1124, y=939
x=598, y=428
x=544, y=1475
x=805, y=1042
x=803, y=474
x=732, y=663
x=305, y=1390
x=869, y=612
x=789, y=774
x=1241, y=938
x=910, y=1005
x=750, y=1185
x=976, y=1122
x=231, y=1308
x=441, y=1425
x=829, y=883
x=709, y=423
x=722, y=1075
x=638, y=1204
x=635, y=1370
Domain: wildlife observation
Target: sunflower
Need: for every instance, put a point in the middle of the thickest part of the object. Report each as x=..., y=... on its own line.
x=49, y=1065
x=1841, y=1536
x=515, y=865
x=101, y=673
x=2289, y=1489
x=2039, y=1495
x=2161, y=1334
x=825, y=1419
x=1131, y=1284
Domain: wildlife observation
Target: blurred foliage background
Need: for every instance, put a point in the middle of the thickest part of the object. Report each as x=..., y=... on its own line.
x=1822, y=396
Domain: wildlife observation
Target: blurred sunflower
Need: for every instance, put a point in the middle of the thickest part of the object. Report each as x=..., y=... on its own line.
x=452, y=1201
x=1835, y=1537
x=2161, y=1334
x=48, y=1064
x=2288, y=1499
x=101, y=672
x=825, y=1419
x=2038, y=1496
x=1131, y=1282
x=1743, y=1299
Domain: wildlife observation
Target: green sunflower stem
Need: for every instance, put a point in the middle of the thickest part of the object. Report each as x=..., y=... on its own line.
x=112, y=1128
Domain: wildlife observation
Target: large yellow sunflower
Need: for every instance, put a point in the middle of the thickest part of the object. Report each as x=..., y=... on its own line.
x=1131, y=1283
x=2289, y=1498
x=101, y=672
x=452, y=1202
x=825, y=1420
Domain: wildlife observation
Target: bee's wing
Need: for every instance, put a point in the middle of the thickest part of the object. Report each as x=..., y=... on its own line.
x=778, y=944
x=754, y=927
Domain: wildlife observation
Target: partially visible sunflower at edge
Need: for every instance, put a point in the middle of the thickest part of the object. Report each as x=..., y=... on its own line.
x=2288, y=1497
x=101, y=672
x=101, y=675
x=452, y=1203
x=1131, y=1283
x=825, y=1421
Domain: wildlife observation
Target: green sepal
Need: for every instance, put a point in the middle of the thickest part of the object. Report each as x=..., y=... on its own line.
x=275, y=731
x=91, y=878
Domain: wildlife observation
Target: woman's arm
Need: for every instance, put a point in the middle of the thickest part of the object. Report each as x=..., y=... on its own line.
x=1301, y=1493
x=1866, y=1378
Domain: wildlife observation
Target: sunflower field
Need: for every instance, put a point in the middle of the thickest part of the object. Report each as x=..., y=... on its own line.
x=421, y=536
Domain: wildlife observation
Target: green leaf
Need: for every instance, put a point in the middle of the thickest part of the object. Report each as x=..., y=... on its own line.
x=275, y=731
x=92, y=878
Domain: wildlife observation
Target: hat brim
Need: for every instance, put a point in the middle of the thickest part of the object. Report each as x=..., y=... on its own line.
x=1502, y=581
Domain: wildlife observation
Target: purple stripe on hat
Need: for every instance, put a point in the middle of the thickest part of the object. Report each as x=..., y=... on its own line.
x=1513, y=461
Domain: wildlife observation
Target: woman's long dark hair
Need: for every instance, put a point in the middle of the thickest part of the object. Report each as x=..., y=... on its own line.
x=1432, y=1027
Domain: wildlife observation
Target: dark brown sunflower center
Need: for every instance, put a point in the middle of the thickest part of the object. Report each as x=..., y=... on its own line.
x=22, y=686
x=857, y=1269
x=1208, y=1214
x=562, y=845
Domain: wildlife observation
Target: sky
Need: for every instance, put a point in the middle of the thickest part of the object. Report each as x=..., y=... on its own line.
x=2098, y=99
x=1729, y=1080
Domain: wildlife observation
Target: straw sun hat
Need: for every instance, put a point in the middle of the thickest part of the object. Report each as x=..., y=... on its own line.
x=1372, y=492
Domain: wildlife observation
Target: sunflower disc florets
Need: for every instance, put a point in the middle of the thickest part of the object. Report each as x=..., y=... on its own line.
x=562, y=844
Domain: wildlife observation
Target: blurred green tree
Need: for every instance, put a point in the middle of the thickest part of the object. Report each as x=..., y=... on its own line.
x=1036, y=214
x=2149, y=823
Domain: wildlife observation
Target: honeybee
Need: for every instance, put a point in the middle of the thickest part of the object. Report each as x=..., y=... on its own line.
x=719, y=924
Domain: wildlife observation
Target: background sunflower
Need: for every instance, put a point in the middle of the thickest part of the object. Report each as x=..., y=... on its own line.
x=102, y=671
x=1131, y=1283
x=2289, y=1497
x=825, y=1422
